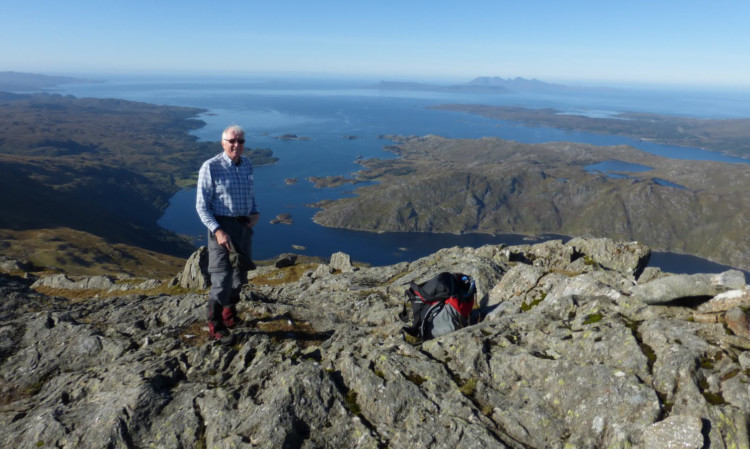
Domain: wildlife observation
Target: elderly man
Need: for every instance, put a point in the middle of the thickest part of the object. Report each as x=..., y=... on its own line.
x=225, y=202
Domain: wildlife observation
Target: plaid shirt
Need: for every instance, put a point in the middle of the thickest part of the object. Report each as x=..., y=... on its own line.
x=225, y=189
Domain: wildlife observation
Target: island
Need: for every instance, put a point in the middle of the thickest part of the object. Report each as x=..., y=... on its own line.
x=291, y=137
x=330, y=181
x=283, y=219
x=731, y=136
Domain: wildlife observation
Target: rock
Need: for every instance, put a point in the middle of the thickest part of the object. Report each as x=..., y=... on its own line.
x=744, y=360
x=63, y=282
x=323, y=270
x=342, y=262
x=725, y=301
x=286, y=261
x=580, y=254
x=565, y=356
x=675, y=432
x=630, y=258
x=671, y=288
x=11, y=265
x=737, y=321
x=195, y=274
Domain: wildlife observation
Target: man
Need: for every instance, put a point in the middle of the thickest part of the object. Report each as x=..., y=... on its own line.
x=225, y=202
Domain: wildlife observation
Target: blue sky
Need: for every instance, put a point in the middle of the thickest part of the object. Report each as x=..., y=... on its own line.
x=672, y=42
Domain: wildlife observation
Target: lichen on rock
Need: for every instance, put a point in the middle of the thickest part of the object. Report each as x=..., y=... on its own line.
x=565, y=349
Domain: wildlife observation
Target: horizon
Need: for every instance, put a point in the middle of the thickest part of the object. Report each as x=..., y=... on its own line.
x=315, y=80
x=670, y=43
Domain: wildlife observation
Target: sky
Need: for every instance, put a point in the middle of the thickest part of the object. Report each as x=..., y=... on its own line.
x=661, y=42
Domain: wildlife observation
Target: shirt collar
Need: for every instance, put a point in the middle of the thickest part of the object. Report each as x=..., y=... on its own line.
x=227, y=160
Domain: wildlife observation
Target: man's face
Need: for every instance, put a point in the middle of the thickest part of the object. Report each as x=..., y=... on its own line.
x=233, y=150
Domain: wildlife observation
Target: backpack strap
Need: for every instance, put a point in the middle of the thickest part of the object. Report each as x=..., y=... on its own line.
x=434, y=309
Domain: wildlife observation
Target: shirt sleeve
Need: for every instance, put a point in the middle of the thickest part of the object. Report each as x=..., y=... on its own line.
x=204, y=198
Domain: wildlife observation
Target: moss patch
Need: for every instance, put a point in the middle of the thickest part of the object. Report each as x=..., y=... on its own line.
x=593, y=318
x=283, y=275
x=469, y=388
x=526, y=307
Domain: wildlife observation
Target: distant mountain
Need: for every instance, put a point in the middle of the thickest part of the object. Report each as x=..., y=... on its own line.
x=482, y=84
x=517, y=84
x=399, y=85
x=24, y=82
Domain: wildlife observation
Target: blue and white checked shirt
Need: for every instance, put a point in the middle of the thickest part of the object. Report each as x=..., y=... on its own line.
x=225, y=189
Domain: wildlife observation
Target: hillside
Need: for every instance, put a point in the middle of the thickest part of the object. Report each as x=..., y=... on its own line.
x=573, y=345
x=496, y=186
x=106, y=167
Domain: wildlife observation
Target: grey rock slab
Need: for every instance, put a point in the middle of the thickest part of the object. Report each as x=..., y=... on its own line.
x=567, y=353
x=675, y=432
x=675, y=287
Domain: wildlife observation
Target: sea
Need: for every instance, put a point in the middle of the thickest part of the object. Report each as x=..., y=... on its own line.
x=339, y=122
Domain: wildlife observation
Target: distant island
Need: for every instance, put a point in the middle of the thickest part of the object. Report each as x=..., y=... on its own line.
x=482, y=85
x=292, y=137
x=282, y=219
x=23, y=82
x=731, y=136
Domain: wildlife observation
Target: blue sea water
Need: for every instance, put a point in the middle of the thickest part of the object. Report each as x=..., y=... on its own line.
x=344, y=121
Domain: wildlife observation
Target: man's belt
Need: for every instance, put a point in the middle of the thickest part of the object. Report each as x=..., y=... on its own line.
x=241, y=219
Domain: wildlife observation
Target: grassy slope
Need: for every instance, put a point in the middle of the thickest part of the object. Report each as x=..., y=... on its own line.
x=81, y=253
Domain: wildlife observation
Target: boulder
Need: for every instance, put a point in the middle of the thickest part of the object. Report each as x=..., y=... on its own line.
x=675, y=432
x=64, y=282
x=195, y=274
x=629, y=258
x=286, y=260
x=671, y=288
x=341, y=262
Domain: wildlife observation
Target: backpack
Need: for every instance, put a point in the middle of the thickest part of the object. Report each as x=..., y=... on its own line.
x=441, y=305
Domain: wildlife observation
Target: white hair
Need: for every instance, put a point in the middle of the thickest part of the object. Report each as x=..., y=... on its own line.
x=236, y=129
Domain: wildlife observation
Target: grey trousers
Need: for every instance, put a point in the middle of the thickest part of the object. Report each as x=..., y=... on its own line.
x=228, y=269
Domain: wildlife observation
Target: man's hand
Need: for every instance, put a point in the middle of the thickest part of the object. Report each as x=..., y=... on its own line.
x=222, y=238
x=253, y=220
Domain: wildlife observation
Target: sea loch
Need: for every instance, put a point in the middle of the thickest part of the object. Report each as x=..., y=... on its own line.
x=340, y=122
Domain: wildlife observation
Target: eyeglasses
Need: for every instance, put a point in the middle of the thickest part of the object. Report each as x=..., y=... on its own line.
x=233, y=141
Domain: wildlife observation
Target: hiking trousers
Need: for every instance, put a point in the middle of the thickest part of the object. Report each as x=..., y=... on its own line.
x=228, y=268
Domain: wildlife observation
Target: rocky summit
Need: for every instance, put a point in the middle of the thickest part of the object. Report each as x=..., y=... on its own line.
x=572, y=345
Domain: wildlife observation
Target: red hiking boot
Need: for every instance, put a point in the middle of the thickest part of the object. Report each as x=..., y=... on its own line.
x=217, y=330
x=229, y=317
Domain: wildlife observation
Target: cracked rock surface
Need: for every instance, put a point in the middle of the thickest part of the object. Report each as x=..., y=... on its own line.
x=566, y=350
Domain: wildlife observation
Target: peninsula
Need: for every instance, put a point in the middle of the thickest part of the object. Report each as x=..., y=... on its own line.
x=494, y=186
